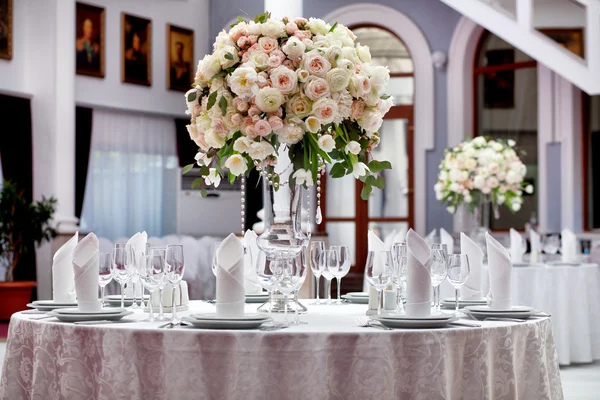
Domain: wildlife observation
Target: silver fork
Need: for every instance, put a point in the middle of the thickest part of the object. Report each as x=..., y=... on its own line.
x=367, y=323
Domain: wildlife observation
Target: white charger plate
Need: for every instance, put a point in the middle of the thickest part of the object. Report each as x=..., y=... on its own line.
x=487, y=309
x=432, y=317
x=413, y=323
x=89, y=317
x=245, y=317
x=54, y=303
x=358, y=294
x=77, y=311
x=356, y=300
x=225, y=324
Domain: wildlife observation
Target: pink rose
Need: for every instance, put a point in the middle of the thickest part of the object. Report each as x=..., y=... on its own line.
x=236, y=119
x=288, y=63
x=308, y=43
x=252, y=111
x=251, y=132
x=253, y=48
x=291, y=28
x=316, y=88
x=267, y=44
x=200, y=142
x=316, y=64
x=263, y=127
x=255, y=118
x=278, y=113
x=219, y=127
x=325, y=110
x=240, y=104
x=245, y=57
x=276, y=123
x=276, y=58
x=301, y=21
x=197, y=110
x=358, y=107
x=243, y=42
x=303, y=34
x=284, y=79
x=253, y=39
x=246, y=122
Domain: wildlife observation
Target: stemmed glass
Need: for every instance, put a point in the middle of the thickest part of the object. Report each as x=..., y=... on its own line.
x=215, y=264
x=458, y=272
x=105, y=273
x=267, y=280
x=123, y=265
x=300, y=260
x=151, y=275
x=438, y=272
x=338, y=264
x=380, y=268
x=317, y=263
x=400, y=267
x=328, y=276
x=286, y=272
x=174, y=269
x=551, y=243
x=160, y=253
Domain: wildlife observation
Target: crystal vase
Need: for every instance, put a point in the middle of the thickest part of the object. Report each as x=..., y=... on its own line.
x=482, y=221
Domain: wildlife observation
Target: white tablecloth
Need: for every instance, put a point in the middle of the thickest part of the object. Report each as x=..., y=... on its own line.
x=571, y=294
x=328, y=358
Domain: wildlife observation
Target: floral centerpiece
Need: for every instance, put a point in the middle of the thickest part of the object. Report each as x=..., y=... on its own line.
x=482, y=170
x=295, y=86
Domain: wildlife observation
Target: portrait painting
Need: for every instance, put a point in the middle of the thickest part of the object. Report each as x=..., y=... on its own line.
x=499, y=86
x=180, y=56
x=89, y=40
x=569, y=38
x=6, y=28
x=137, y=44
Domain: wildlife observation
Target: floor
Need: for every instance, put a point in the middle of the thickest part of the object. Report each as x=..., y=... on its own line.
x=580, y=382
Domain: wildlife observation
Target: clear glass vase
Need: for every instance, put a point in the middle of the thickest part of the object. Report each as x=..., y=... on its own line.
x=482, y=220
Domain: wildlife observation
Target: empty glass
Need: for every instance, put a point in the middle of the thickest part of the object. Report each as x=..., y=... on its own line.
x=551, y=243
x=174, y=270
x=400, y=264
x=214, y=258
x=317, y=263
x=338, y=264
x=105, y=273
x=458, y=272
x=123, y=265
x=151, y=275
x=267, y=280
x=438, y=272
x=379, y=269
x=159, y=254
x=301, y=277
x=286, y=272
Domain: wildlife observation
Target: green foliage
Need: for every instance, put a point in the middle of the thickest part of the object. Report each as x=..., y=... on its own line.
x=187, y=169
x=191, y=97
x=212, y=99
x=262, y=18
x=333, y=27
x=223, y=105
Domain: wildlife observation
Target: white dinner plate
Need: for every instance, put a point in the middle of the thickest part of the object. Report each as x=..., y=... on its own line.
x=432, y=317
x=566, y=264
x=518, y=315
x=245, y=317
x=358, y=294
x=487, y=309
x=356, y=300
x=77, y=311
x=166, y=309
x=225, y=324
x=89, y=317
x=451, y=304
x=41, y=307
x=54, y=303
x=413, y=323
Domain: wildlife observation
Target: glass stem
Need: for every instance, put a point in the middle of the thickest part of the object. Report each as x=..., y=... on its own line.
x=285, y=299
x=318, y=278
x=151, y=316
x=436, y=294
x=328, y=291
x=102, y=296
x=134, y=305
x=456, y=296
x=173, y=305
x=122, y=295
x=296, y=306
x=399, y=298
x=160, y=303
x=270, y=303
x=379, y=301
x=339, y=299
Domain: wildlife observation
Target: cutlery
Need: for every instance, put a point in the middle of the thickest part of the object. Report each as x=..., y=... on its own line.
x=505, y=319
x=367, y=323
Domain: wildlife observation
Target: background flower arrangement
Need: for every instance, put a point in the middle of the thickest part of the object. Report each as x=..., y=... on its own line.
x=478, y=169
x=296, y=85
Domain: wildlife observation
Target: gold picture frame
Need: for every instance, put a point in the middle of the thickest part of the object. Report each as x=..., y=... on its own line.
x=89, y=40
x=136, y=50
x=570, y=38
x=180, y=58
x=6, y=29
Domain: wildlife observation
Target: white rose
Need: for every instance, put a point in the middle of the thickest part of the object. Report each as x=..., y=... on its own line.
x=359, y=169
x=223, y=40
x=454, y=187
x=316, y=25
x=500, y=199
x=439, y=195
x=284, y=79
x=236, y=164
x=511, y=142
x=209, y=66
x=512, y=177
x=213, y=139
x=242, y=145
x=479, y=141
x=227, y=56
x=349, y=53
x=326, y=143
x=254, y=28
x=302, y=75
x=325, y=110
x=360, y=85
x=273, y=28
x=338, y=79
x=299, y=105
x=333, y=54
x=363, y=52
x=294, y=48
x=529, y=189
x=353, y=147
x=244, y=81
x=464, y=175
x=313, y=125
x=291, y=134
x=385, y=105
x=259, y=59
x=213, y=178
x=468, y=199
x=302, y=177
x=478, y=182
x=269, y=99
x=380, y=77
x=260, y=150
x=370, y=121
x=315, y=63
x=492, y=182
x=454, y=174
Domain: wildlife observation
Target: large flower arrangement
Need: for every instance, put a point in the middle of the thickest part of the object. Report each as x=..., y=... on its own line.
x=296, y=85
x=482, y=169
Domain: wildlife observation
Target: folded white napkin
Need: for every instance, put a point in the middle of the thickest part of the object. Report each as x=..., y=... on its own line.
x=568, y=247
x=418, y=295
x=86, y=270
x=389, y=239
x=63, y=275
x=181, y=295
x=375, y=244
x=400, y=235
x=447, y=239
x=430, y=238
x=516, y=246
x=536, y=243
x=471, y=290
x=251, y=285
x=230, y=278
x=500, y=268
x=138, y=243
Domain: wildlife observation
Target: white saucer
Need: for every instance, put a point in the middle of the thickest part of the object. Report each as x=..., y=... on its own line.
x=54, y=303
x=77, y=311
x=245, y=317
x=487, y=309
x=413, y=323
x=225, y=324
x=356, y=299
x=166, y=309
x=257, y=298
x=89, y=317
x=357, y=294
x=432, y=317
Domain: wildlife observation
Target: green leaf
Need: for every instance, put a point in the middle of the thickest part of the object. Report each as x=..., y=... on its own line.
x=197, y=183
x=229, y=56
x=338, y=170
x=366, y=192
x=192, y=96
x=385, y=96
x=333, y=27
x=187, y=169
x=240, y=19
x=379, y=182
x=223, y=105
x=204, y=171
x=378, y=166
x=221, y=74
x=314, y=165
x=232, y=178
x=203, y=193
x=211, y=100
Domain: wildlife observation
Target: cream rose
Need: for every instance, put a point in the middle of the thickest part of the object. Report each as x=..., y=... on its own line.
x=294, y=48
x=267, y=44
x=353, y=147
x=383, y=106
x=209, y=66
x=316, y=25
x=359, y=85
x=316, y=89
x=315, y=63
x=333, y=54
x=227, y=56
x=259, y=59
x=269, y=99
x=261, y=150
x=299, y=105
x=284, y=79
x=338, y=79
x=291, y=133
x=213, y=139
x=363, y=53
x=325, y=110
x=379, y=77
x=326, y=143
x=370, y=121
x=302, y=75
x=273, y=28
x=236, y=164
x=243, y=82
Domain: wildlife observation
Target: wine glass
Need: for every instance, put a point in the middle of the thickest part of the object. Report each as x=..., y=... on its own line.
x=285, y=272
x=458, y=272
x=438, y=272
x=399, y=251
x=301, y=277
x=551, y=243
x=174, y=269
x=150, y=275
x=105, y=273
x=214, y=264
x=123, y=264
x=327, y=275
x=266, y=279
x=380, y=268
x=339, y=266
x=317, y=265
x=158, y=254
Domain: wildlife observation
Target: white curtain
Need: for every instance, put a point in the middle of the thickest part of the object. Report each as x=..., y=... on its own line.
x=132, y=179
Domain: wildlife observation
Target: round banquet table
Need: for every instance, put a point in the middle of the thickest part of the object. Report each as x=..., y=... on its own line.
x=570, y=294
x=328, y=358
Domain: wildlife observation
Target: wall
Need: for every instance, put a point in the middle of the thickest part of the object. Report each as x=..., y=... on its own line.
x=12, y=72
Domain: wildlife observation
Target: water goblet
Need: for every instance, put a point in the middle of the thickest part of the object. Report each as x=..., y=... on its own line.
x=338, y=264
x=438, y=272
x=551, y=244
x=174, y=270
x=399, y=251
x=317, y=248
x=267, y=280
x=150, y=276
x=123, y=263
x=380, y=268
x=105, y=273
x=160, y=252
x=458, y=272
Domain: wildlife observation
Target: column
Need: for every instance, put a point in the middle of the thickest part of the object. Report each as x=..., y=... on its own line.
x=287, y=8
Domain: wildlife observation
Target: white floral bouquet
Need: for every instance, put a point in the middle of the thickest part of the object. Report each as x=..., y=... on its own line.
x=482, y=168
x=296, y=85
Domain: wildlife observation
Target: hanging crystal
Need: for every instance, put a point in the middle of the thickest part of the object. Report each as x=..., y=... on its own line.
x=318, y=215
x=308, y=219
x=243, y=205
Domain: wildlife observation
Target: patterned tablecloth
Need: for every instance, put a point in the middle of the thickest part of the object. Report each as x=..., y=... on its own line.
x=328, y=358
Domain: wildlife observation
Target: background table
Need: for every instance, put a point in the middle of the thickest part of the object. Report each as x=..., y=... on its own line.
x=328, y=358
x=571, y=294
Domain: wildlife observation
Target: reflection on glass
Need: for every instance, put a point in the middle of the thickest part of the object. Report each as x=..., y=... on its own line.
x=343, y=234
x=393, y=200
x=386, y=49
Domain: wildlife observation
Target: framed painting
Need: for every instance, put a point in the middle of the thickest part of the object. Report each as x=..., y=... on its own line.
x=136, y=58
x=570, y=38
x=6, y=29
x=89, y=40
x=499, y=87
x=180, y=58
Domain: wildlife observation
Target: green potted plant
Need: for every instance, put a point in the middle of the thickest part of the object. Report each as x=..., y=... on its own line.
x=23, y=225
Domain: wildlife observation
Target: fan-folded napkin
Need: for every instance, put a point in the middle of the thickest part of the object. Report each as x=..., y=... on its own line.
x=230, y=278
x=500, y=274
x=568, y=247
x=86, y=270
x=447, y=239
x=418, y=278
x=471, y=290
x=251, y=284
x=138, y=244
x=516, y=246
x=430, y=238
x=375, y=244
x=63, y=275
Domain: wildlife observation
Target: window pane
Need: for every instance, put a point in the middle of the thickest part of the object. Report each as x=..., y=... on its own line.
x=593, y=147
x=403, y=90
x=386, y=49
x=343, y=234
x=393, y=200
x=340, y=196
x=495, y=51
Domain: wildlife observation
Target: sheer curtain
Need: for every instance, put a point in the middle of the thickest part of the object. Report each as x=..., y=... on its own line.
x=132, y=176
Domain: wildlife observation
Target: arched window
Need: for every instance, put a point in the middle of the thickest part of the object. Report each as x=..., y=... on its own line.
x=506, y=99
x=388, y=212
